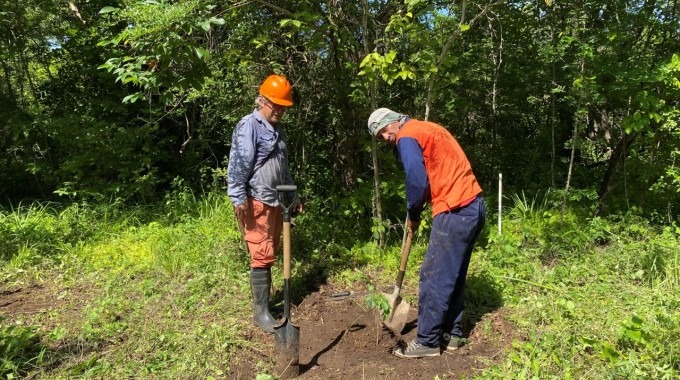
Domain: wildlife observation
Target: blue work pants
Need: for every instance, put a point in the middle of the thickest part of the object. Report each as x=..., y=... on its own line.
x=444, y=269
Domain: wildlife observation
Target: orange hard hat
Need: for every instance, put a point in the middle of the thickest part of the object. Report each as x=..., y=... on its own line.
x=277, y=89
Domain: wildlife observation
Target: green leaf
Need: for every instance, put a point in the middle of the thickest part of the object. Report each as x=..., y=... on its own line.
x=205, y=25
x=295, y=23
x=464, y=27
x=367, y=59
x=132, y=98
x=634, y=335
x=637, y=320
x=108, y=9
x=200, y=53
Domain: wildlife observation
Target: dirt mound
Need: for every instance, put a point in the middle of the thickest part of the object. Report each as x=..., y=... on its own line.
x=341, y=339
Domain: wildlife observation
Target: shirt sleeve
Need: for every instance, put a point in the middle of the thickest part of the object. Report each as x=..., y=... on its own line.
x=417, y=184
x=241, y=162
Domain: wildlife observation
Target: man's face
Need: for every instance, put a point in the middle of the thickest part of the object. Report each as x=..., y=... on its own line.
x=272, y=112
x=389, y=133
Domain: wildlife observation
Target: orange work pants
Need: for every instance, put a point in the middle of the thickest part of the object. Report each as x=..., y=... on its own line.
x=263, y=225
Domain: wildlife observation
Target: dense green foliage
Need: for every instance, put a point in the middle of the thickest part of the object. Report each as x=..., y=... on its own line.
x=110, y=99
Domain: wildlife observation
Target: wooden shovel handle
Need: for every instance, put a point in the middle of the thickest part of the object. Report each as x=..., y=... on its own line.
x=286, y=250
x=405, y=251
x=281, y=190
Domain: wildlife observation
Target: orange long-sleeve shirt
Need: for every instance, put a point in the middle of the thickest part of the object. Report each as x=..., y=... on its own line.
x=452, y=183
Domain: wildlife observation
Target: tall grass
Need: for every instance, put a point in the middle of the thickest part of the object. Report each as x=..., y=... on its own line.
x=171, y=274
x=592, y=297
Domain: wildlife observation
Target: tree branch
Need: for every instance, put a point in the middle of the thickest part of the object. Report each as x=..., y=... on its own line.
x=76, y=12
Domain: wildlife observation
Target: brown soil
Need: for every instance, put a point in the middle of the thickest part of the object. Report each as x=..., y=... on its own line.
x=32, y=301
x=341, y=339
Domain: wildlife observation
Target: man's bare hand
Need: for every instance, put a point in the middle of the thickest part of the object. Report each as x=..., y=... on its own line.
x=241, y=211
x=413, y=225
x=297, y=207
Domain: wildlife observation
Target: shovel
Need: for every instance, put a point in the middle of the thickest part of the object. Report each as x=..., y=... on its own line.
x=286, y=335
x=396, y=320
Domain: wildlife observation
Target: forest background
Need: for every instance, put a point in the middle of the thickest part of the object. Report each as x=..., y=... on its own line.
x=117, y=108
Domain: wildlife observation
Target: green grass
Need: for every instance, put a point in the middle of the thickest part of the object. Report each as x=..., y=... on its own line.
x=591, y=298
x=20, y=348
x=163, y=292
x=166, y=298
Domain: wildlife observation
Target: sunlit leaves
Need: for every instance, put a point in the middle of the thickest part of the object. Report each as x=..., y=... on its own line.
x=294, y=23
x=162, y=46
x=385, y=67
x=651, y=109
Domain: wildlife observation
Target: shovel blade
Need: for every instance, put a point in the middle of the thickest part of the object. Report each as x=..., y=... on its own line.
x=287, y=346
x=396, y=320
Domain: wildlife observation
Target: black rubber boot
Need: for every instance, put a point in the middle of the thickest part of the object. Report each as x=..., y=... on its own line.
x=260, y=280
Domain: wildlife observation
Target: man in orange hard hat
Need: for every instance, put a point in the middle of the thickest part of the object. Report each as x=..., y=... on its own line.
x=258, y=162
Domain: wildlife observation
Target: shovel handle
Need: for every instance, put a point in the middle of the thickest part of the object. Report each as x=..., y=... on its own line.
x=286, y=250
x=282, y=190
x=286, y=270
x=405, y=251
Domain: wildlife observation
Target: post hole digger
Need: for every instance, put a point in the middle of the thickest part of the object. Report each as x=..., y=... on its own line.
x=399, y=308
x=287, y=335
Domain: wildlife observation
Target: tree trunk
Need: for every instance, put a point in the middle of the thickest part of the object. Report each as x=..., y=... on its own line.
x=618, y=154
x=553, y=153
x=573, y=139
x=377, y=202
x=8, y=80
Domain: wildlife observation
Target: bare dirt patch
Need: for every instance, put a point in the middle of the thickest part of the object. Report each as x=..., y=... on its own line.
x=343, y=340
x=25, y=300
x=36, y=300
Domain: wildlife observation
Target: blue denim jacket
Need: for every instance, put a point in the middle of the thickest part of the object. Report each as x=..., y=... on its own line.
x=258, y=161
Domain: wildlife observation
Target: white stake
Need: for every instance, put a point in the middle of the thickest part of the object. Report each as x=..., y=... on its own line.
x=500, y=200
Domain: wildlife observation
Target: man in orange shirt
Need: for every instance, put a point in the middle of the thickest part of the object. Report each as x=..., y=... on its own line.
x=438, y=172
